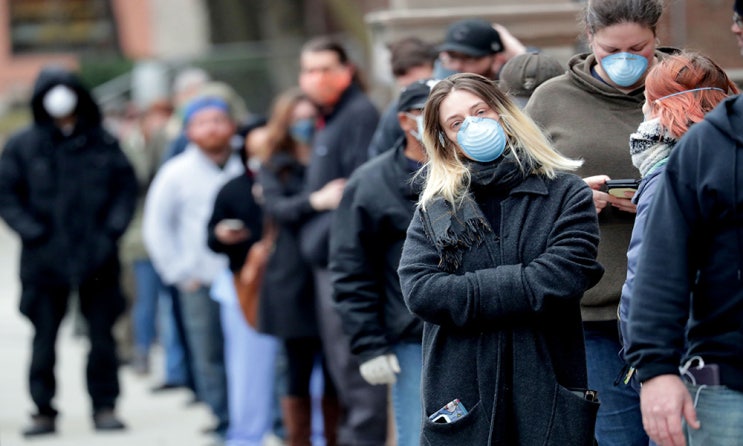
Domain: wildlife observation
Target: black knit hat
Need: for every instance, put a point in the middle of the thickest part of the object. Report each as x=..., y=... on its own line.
x=738, y=7
x=473, y=37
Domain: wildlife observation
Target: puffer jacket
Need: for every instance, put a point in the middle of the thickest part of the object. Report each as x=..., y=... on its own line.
x=70, y=196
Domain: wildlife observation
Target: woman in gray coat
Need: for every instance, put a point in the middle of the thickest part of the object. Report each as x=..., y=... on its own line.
x=496, y=260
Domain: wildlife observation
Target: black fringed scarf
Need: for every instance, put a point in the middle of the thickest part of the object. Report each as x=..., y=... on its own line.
x=456, y=229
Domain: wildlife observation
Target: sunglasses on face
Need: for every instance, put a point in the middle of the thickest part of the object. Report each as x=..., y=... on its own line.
x=738, y=20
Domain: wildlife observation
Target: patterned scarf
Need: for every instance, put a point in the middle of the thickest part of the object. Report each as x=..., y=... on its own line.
x=650, y=145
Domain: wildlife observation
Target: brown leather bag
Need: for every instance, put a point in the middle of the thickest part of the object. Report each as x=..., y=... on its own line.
x=249, y=279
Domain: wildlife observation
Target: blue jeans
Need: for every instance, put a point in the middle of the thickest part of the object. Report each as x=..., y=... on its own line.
x=201, y=320
x=720, y=413
x=250, y=362
x=406, y=394
x=144, y=312
x=177, y=365
x=619, y=421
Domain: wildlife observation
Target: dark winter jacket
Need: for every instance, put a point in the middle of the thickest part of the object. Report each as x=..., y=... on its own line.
x=368, y=232
x=388, y=132
x=341, y=145
x=69, y=197
x=235, y=200
x=287, y=308
x=503, y=330
x=688, y=292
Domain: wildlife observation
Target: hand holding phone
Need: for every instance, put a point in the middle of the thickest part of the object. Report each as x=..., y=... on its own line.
x=617, y=188
x=231, y=231
x=234, y=224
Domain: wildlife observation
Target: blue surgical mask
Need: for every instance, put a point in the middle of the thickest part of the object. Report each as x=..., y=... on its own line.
x=624, y=69
x=419, y=121
x=440, y=71
x=482, y=139
x=302, y=130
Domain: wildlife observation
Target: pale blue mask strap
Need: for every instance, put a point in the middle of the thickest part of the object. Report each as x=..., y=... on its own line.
x=689, y=91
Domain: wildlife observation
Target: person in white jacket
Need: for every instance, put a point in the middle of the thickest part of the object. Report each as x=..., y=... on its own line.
x=177, y=210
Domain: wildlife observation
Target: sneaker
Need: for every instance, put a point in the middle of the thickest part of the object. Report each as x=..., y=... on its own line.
x=105, y=420
x=40, y=425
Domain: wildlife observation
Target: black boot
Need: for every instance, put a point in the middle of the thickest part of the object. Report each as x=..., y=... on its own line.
x=40, y=425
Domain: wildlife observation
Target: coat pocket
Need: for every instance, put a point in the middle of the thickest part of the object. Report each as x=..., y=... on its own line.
x=573, y=419
x=472, y=429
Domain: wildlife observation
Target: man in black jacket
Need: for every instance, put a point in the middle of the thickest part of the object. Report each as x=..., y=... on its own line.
x=340, y=145
x=368, y=232
x=69, y=192
x=685, y=330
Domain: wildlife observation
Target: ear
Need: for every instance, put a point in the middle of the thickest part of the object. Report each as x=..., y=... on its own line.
x=589, y=39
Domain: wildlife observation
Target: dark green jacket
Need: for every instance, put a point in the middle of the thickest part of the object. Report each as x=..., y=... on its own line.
x=591, y=120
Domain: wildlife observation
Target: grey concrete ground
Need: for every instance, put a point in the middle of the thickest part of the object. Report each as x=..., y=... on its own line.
x=153, y=420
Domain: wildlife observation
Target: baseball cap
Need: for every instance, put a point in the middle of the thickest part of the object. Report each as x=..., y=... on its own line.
x=473, y=37
x=521, y=75
x=414, y=96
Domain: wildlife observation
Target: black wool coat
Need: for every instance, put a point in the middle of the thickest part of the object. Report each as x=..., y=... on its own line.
x=502, y=329
x=340, y=145
x=287, y=308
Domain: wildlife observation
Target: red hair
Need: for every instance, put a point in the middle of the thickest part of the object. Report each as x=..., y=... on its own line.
x=679, y=73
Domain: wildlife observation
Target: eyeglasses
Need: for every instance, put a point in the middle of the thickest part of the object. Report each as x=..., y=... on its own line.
x=738, y=20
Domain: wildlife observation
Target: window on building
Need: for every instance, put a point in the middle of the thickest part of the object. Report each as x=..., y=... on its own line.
x=50, y=26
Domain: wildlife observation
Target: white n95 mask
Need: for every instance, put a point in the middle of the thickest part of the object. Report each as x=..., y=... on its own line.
x=60, y=101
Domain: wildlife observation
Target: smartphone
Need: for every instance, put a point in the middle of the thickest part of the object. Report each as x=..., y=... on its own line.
x=617, y=188
x=452, y=411
x=234, y=224
x=708, y=374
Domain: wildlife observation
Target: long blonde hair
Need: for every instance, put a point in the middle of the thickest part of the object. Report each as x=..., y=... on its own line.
x=447, y=174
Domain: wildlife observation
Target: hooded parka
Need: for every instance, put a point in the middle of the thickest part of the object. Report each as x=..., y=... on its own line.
x=70, y=196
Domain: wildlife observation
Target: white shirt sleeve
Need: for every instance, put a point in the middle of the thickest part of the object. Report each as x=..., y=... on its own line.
x=160, y=227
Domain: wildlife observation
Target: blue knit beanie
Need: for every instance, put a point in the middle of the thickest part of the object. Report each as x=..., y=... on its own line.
x=201, y=103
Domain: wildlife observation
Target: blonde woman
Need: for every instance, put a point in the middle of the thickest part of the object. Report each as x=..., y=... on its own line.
x=497, y=257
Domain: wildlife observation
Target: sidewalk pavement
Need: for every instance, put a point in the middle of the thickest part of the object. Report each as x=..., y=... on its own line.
x=162, y=419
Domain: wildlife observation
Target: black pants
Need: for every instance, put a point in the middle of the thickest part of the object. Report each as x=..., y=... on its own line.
x=101, y=303
x=301, y=354
x=365, y=420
